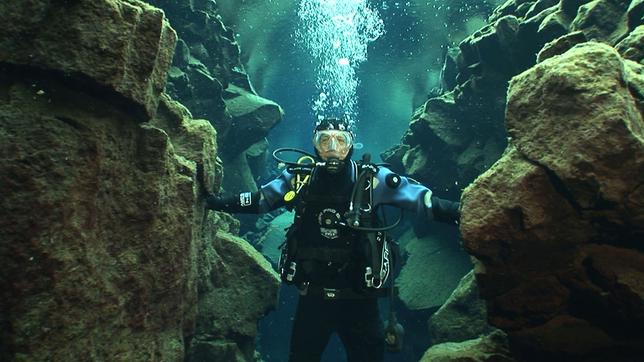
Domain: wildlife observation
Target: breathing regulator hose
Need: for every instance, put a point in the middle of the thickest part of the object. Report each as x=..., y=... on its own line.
x=357, y=214
x=298, y=166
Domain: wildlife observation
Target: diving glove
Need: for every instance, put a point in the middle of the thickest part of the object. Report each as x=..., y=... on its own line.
x=446, y=210
x=394, y=333
x=245, y=202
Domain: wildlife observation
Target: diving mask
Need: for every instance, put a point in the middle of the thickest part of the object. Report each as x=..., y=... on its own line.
x=333, y=141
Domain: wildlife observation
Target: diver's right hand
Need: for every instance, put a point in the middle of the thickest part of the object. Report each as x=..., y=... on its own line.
x=214, y=202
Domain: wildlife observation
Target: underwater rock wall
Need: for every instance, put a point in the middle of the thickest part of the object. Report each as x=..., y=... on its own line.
x=458, y=134
x=546, y=314
x=107, y=254
x=556, y=224
x=208, y=78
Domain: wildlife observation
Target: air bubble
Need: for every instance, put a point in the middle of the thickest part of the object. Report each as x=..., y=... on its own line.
x=337, y=34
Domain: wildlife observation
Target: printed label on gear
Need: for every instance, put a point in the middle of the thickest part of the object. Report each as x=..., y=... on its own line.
x=329, y=233
x=245, y=199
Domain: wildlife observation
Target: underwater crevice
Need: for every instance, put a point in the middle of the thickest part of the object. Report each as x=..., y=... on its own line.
x=558, y=185
x=71, y=122
x=75, y=81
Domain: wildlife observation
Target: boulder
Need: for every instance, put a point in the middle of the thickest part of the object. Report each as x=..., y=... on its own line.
x=603, y=20
x=553, y=26
x=592, y=120
x=493, y=46
x=561, y=45
x=237, y=287
x=394, y=157
x=99, y=225
x=449, y=71
x=571, y=7
x=478, y=157
x=435, y=123
x=555, y=224
x=133, y=36
x=635, y=14
x=632, y=47
x=253, y=116
x=258, y=159
x=532, y=36
x=511, y=7
x=434, y=268
x=540, y=6
x=489, y=348
x=275, y=236
x=462, y=317
x=238, y=176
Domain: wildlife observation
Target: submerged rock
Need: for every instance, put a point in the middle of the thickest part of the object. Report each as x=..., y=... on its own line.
x=252, y=119
x=98, y=226
x=561, y=45
x=64, y=37
x=632, y=47
x=432, y=271
x=590, y=134
x=106, y=249
x=489, y=348
x=463, y=316
x=554, y=224
x=485, y=61
x=603, y=20
x=233, y=277
x=208, y=77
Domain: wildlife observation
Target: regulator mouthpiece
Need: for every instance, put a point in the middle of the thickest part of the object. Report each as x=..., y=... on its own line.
x=334, y=165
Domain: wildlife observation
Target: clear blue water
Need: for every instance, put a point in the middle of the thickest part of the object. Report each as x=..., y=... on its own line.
x=402, y=67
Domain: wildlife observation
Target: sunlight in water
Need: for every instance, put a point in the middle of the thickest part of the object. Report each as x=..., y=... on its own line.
x=336, y=33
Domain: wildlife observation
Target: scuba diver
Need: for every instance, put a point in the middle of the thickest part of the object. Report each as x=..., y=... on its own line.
x=337, y=252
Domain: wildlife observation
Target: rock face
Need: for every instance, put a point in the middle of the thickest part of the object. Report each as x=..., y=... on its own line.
x=106, y=250
x=462, y=317
x=556, y=223
x=632, y=47
x=458, y=134
x=489, y=348
x=204, y=60
x=209, y=78
x=63, y=37
x=233, y=277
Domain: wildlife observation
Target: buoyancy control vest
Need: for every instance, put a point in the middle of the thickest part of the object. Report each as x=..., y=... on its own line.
x=322, y=252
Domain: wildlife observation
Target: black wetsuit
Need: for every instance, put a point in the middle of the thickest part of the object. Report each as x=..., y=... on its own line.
x=331, y=259
x=356, y=321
